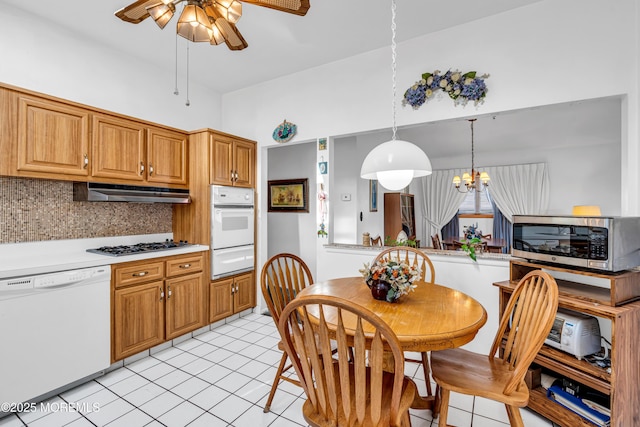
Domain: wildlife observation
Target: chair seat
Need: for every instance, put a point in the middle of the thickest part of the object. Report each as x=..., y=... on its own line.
x=409, y=390
x=471, y=373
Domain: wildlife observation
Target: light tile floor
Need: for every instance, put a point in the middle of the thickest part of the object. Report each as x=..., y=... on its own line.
x=221, y=378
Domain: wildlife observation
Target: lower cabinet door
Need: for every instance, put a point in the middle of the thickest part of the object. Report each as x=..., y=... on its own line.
x=184, y=304
x=220, y=299
x=138, y=318
x=245, y=292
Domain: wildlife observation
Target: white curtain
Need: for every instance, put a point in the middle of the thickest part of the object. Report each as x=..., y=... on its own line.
x=440, y=200
x=519, y=189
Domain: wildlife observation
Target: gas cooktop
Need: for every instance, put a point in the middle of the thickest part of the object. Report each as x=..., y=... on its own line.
x=139, y=248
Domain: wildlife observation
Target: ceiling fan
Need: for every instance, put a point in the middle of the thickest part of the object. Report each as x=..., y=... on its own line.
x=210, y=21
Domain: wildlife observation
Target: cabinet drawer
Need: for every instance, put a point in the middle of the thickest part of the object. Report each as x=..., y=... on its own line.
x=185, y=264
x=129, y=274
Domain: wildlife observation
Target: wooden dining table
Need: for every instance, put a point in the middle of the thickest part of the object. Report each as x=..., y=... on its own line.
x=493, y=245
x=431, y=318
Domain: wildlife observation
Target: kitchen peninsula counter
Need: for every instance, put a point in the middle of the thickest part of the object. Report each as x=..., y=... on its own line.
x=29, y=258
x=337, y=247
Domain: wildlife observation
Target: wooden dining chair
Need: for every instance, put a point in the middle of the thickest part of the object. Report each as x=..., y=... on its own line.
x=525, y=324
x=419, y=259
x=283, y=276
x=351, y=389
x=435, y=240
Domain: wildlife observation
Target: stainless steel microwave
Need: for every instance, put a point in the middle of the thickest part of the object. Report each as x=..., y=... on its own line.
x=600, y=243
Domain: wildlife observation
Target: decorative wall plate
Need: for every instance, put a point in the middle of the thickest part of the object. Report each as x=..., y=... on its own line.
x=284, y=132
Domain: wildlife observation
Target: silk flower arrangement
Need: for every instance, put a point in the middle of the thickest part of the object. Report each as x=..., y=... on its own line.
x=461, y=87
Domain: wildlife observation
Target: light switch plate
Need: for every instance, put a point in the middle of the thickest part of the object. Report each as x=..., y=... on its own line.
x=345, y=197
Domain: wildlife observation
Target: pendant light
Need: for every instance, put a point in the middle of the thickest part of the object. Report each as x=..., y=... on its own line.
x=474, y=181
x=395, y=163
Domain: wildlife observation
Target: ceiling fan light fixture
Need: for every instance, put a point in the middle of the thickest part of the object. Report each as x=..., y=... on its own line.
x=194, y=23
x=231, y=10
x=162, y=13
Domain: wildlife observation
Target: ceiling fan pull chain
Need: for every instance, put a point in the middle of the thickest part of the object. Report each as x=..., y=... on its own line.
x=176, y=91
x=187, y=103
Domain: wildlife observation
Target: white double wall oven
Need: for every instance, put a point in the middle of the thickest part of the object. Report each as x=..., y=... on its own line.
x=232, y=230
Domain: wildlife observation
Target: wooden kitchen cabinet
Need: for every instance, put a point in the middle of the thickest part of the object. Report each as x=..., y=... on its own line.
x=184, y=308
x=232, y=161
x=620, y=383
x=166, y=157
x=118, y=148
x=156, y=300
x=138, y=318
x=52, y=137
x=133, y=152
x=47, y=137
x=231, y=295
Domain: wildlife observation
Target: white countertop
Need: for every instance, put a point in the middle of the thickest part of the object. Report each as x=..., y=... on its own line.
x=29, y=258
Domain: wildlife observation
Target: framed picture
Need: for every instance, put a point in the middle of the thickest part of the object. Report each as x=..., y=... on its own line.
x=289, y=195
x=373, y=195
x=322, y=144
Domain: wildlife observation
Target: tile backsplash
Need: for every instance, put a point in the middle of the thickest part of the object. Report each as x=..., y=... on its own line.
x=36, y=209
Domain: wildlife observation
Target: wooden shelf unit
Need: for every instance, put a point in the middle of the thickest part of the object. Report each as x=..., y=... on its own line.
x=621, y=384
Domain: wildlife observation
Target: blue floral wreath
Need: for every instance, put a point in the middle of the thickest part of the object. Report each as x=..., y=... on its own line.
x=460, y=87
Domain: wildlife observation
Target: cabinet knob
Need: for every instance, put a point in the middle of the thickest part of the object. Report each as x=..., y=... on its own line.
x=161, y=293
x=150, y=169
x=184, y=266
x=86, y=161
x=141, y=168
x=169, y=292
x=140, y=274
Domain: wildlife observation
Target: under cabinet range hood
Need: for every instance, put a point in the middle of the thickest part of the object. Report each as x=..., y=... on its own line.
x=96, y=192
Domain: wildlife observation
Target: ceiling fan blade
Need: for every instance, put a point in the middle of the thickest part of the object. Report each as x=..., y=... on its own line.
x=297, y=7
x=233, y=38
x=136, y=12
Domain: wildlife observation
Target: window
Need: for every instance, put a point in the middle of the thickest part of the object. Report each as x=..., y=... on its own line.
x=476, y=203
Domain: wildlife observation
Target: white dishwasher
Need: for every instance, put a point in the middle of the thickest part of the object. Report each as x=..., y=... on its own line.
x=54, y=330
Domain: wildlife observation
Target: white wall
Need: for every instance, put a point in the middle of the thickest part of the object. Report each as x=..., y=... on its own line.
x=293, y=232
x=345, y=185
x=45, y=58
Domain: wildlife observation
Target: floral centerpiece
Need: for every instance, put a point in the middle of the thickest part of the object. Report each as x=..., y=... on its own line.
x=389, y=279
x=461, y=87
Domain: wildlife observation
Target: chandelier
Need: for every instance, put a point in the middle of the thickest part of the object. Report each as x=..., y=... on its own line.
x=474, y=181
x=212, y=21
x=395, y=163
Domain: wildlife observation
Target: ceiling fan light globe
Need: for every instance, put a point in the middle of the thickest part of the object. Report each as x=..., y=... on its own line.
x=194, y=24
x=161, y=13
x=231, y=10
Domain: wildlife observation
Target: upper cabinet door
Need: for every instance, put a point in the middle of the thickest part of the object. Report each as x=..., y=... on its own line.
x=244, y=164
x=232, y=162
x=52, y=137
x=166, y=156
x=221, y=163
x=118, y=148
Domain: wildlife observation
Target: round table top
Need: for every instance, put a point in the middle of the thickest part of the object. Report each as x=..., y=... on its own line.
x=432, y=317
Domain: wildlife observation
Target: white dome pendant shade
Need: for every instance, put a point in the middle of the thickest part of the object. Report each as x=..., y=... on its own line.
x=395, y=163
